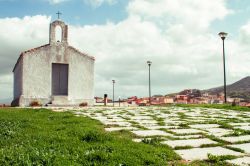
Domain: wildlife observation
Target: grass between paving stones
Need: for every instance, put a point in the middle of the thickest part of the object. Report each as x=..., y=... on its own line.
x=225, y=125
x=242, y=142
x=160, y=121
x=152, y=141
x=181, y=134
x=137, y=125
x=182, y=115
x=217, y=106
x=211, y=145
x=235, y=149
x=216, y=139
x=224, y=144
x=238, y=132
x=184, y=125
x=183, y=147
x=217, y=159
x=42, y=137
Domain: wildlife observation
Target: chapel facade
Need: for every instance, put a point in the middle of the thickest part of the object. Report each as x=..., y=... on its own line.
x=54, y=74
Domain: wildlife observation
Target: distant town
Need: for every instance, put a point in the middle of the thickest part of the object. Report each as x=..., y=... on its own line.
x=238, y=94
x=187, y=96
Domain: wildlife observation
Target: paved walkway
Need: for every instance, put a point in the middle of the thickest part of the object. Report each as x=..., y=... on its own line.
x=192, y=132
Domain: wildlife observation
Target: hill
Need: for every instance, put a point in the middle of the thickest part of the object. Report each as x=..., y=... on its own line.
x=240, y=89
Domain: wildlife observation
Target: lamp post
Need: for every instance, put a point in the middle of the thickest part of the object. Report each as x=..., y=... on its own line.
x=113, y=81
x=149, y=81
x=223, y=36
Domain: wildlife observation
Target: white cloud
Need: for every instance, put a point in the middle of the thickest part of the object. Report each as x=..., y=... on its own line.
x=97, y=3
x=94, y=3
x=175, y=36
x=56, y=1
x=194, y=14
x=17, y=35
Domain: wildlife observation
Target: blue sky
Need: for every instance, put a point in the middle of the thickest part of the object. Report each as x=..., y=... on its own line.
x=234, y=21
x=79, y=12
x=180, y=37
x=75, y=12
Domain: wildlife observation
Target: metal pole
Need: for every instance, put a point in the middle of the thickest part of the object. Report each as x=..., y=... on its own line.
x=113, y=93
x=149, y=79
x=224, y=66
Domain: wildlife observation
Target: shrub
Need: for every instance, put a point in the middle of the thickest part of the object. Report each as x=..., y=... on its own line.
x=35, y=103
x=83, y=104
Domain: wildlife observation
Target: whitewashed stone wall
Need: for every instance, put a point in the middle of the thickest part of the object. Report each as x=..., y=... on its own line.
x=18, y=79
x=34, y=74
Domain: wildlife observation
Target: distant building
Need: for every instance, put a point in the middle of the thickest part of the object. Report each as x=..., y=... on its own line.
x=99, y=100
x=181, y=99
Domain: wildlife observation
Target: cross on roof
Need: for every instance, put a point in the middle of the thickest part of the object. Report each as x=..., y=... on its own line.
x=58, y=14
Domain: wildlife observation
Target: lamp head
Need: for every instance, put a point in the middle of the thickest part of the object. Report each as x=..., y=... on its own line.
x=149, y=63
x=223, y=35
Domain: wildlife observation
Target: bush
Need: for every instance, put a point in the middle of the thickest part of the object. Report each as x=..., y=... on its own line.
x=83, y=104
x=35, y=104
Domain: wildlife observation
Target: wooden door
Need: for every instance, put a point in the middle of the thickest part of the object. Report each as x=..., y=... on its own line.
x=60, y=79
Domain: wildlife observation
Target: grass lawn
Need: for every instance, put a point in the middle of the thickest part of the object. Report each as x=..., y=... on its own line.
x=43, y=137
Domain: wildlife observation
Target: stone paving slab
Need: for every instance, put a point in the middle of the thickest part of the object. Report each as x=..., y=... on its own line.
x=244, y=128
x=202, y=153
x=240, y=124
x=146, y=121
x=243, y=161
x=218, y=131
x=188, y=136
x=190, y=142
x=186, y=131
x=161, y=127
x=236, y=138
x=116, y=123
x=245, y=147
x=120, y=128
x=146, y=133
x=141, y=118
x=204, y=126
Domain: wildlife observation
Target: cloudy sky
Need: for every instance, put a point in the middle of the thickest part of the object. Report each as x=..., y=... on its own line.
x=180, y=37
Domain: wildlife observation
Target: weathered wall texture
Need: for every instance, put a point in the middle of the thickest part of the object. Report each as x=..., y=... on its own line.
x=37, y=72
x=18, y=79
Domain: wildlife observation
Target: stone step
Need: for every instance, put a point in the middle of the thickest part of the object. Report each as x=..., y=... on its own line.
x=57, y=105
x=60, y=100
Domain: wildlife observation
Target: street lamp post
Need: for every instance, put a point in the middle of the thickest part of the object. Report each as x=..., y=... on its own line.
x=223, y=36
x=149, y=80
x=113, y=81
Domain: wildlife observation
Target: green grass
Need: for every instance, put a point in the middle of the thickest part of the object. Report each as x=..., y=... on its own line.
x=218, y=159
x=160, y=121
x=217, y=106
x=42, y=137
x=182, y=115
x=184, y=125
